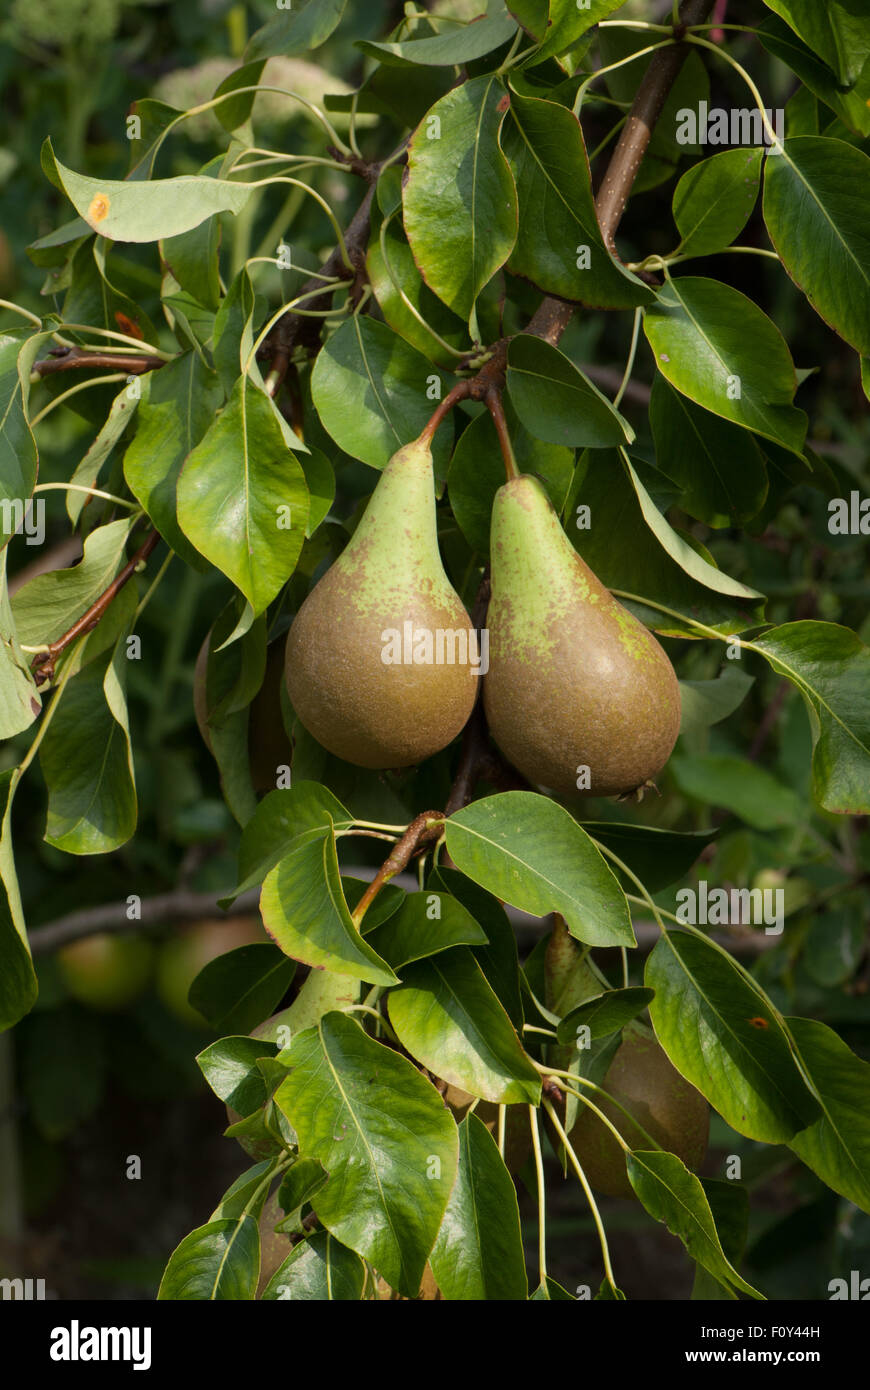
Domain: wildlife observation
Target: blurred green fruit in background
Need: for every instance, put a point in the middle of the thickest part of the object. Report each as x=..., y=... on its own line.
x=107, y=971
x=181, y=958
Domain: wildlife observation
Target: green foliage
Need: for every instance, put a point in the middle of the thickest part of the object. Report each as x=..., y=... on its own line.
x=251, y=332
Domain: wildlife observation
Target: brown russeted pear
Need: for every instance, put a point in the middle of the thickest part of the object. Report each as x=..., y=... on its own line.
x=380, y=655
x=574, y=680
x=642, y=1079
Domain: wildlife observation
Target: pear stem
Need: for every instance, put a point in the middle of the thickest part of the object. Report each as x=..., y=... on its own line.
x=427, y=826
x=460, y=392
x=496, y=409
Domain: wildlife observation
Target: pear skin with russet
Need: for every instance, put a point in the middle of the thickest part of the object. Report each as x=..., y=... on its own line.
x=371, y=711
x=575, y=681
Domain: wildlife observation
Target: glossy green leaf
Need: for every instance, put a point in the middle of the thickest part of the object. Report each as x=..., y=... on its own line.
x=850, y=106
x=278, y=819
x=18, y=453
x=558, y=227
x=425, y=924
x=219, y=1261
x=725, y=1037
x=497, y=956
x=837, y=1144
x=47, y=606
x=838, y=31
x=395, y=280
x=303, y=26
x=604, y=1013
x=835, y=941
x=303, y=908
x=154, y=118
x=247, y=1194
x=448, y=1017
x=233, y=332
x=320, y=481
x=729, y=1203
x=18, y=988
x=298, y=1185
x=122, y=412
x=87, y=761
x=817, y=211
x=479, y=1251
x=192, y=258
x=531, y=853
x=93, y=299
x=177, y=406
x=675, y=1196
x=20, y=701
x=370, y=390
x=718, y=466
x=707, y=702
x=477, y=472
x=714, y=199
x=242, y=499
x=568, y=22
x=239, y=989
x=149, y=210
x=320, y=1268
x=719, y=349
x=550, y=1292
x=556, y=402
x=230, y=1068
x=381, y=1131
x=630, y=545
x=388, y=901
x=749, y=791
x=658, y=857
x=831, y=668
x=455, y=45
x=460, y=203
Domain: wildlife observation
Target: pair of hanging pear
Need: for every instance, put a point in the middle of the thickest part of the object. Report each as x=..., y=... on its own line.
x=579, y=696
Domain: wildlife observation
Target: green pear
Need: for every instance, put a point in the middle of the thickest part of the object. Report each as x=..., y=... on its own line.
x=367, y=672
x=575, y=682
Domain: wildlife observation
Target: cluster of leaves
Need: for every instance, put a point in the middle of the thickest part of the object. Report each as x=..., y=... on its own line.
x=251, y=486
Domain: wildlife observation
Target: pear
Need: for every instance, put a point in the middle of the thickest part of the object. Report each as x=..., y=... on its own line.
x=385, y=598
x=643, y=1080
x=574, y=680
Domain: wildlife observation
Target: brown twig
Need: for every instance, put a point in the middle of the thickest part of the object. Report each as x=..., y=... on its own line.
x=645, y=111
x=293, y=330
x=71, y=359
x=460, y=392
x=178, y=906
x=44, y=662
x=553, y=315
x=427, y=826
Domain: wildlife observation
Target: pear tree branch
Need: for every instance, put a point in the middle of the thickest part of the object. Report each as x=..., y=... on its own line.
x=64, y=359
x=429, y=825
x=44, y=662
